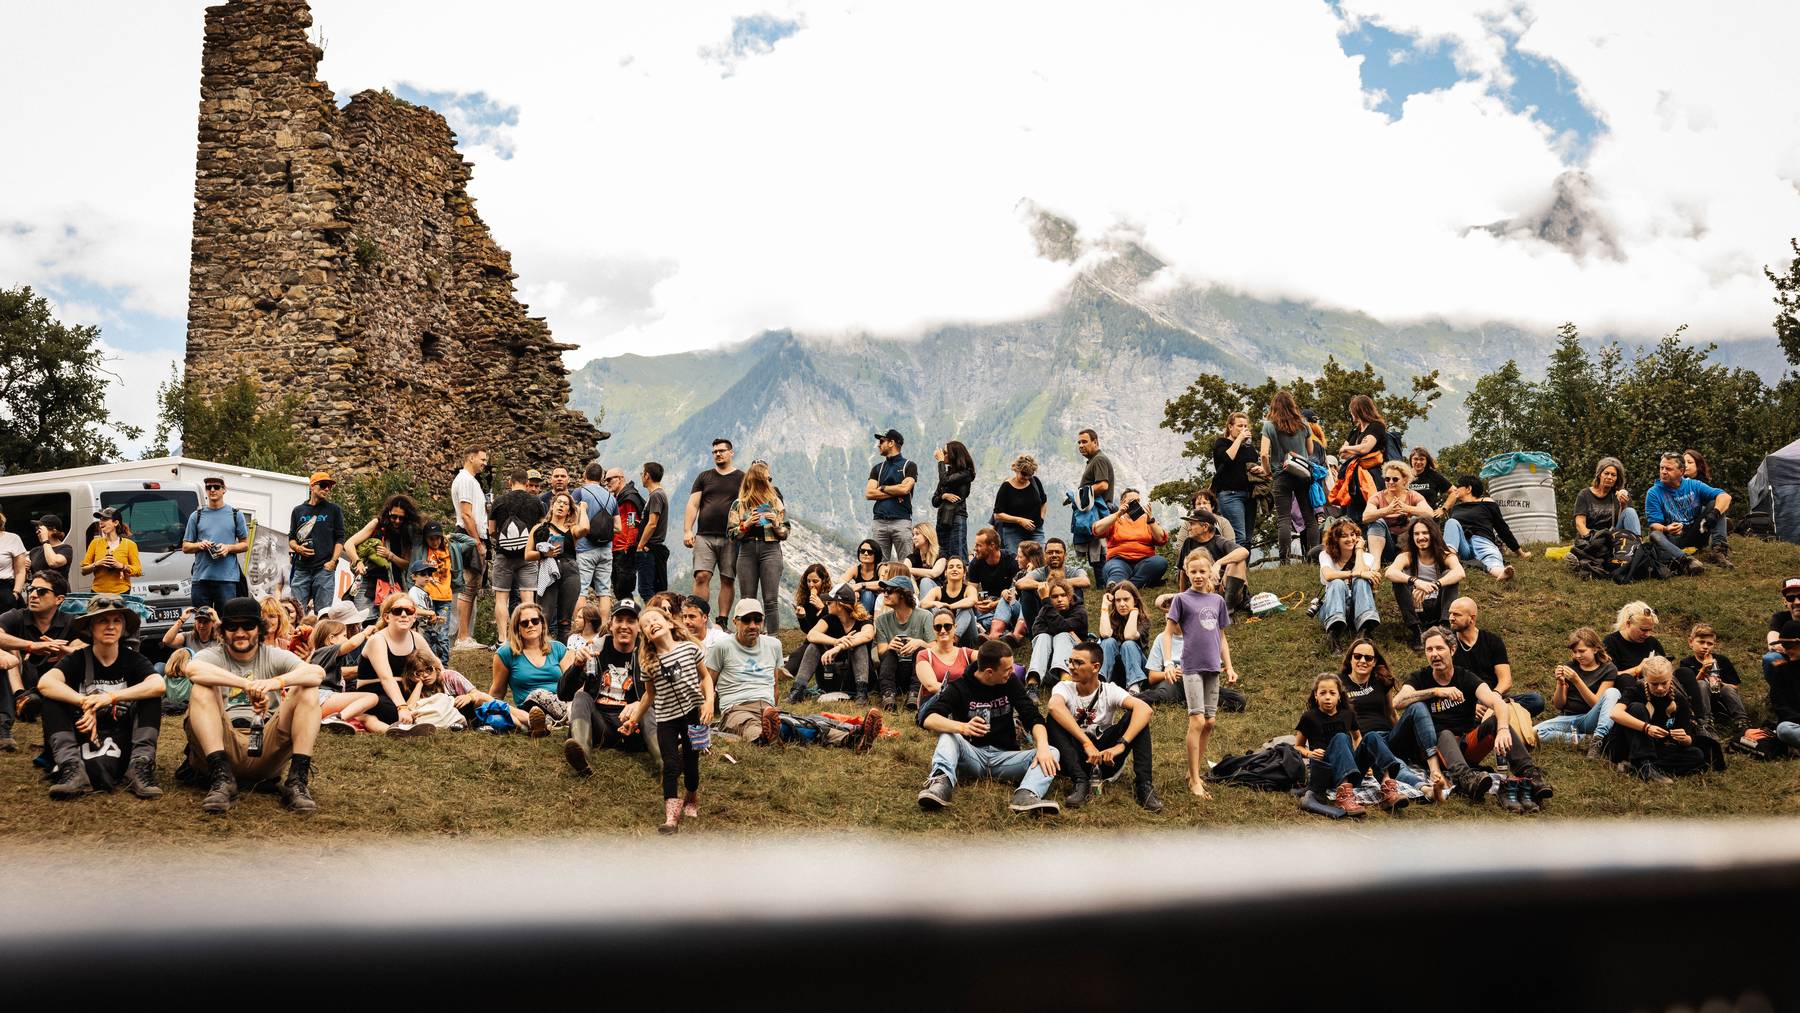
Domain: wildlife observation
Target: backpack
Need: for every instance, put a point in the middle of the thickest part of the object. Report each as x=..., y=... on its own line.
x=629, y=522
x=1629, y=558
x=1277, y=768
x=600, y=521
x=1761, y=744
x=1392, y=450
x=1088, y=508
x=512, y=539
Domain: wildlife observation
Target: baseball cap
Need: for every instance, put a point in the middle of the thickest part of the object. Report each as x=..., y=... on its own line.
x=52, y=522
x=899, y=582
x=845, y=594
x=423, y=566
x=626, y=607
x=746, y=607
x=1789, y=585
x=218, y=480
x=1199, y=515
x=534, y=475
x=321, y=476
x=892, y=434
x=1790, y=630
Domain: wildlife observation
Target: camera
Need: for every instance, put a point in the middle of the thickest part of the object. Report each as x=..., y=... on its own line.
x=256, y=736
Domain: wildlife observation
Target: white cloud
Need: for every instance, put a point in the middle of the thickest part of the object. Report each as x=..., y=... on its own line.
x=864, y=173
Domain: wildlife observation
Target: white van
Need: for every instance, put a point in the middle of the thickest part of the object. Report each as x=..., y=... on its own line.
x=156, y=512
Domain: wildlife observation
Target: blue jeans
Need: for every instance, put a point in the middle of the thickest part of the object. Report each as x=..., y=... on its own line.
x=1239, y=507
x=955, y=757
x=1472, y=547
x=438, y=634
x=968, y=632
x=596, y=571
x=1113, y=650
x=953, y=538
x=1146, y=572
x=1011, y=535
x=214, y=593
x=1007, y=612
x=653, y=570
x=1692, y=537
x=1789, y=734
x=1349, y=600
x=1628, y=521
x=1050, y=654
x=1413, y=735
x=1568, y=727
x=313, y=589
x=1342, y=764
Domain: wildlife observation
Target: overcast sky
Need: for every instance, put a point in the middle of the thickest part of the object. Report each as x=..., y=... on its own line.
x=676, y=176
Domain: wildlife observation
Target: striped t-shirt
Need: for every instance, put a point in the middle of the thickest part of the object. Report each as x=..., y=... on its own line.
x=677, y=681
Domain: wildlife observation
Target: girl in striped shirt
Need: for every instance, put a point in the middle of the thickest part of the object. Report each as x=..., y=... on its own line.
x=678, y=690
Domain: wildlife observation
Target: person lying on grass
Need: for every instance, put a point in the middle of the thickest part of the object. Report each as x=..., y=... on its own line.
x=973, y=718
x=1094, y=725
x=1199, y=617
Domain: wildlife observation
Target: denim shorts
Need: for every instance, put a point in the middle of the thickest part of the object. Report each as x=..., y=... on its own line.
x=511, y=574
x=715, y=554
x=1202, y=689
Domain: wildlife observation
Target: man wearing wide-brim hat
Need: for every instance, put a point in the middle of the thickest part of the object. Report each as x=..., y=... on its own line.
x=103, y=707
x=251, y=685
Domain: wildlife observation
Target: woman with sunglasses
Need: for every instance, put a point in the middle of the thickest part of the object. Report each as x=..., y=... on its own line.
x=277, y=625
x=864, y=575
x=555, y=539
x=757, y=522
x=382, y=664
x=944, y=660
x=394, y=541
x=112, y=557
x=1409, y=735
x=528, y=667
x=957, y=596
x=1391, y=509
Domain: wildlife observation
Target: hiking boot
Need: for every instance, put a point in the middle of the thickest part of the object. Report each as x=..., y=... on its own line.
x=690, y=806
x=1694, y=567
x=186, y=774
x=297, y=795
x=337, y=726
x=140, y=779
x=1528, y=799
x=671, y=816
x=870, y=731
x=861, y=699
x=1312, y=803
x=1024, y=801
x=1652, y=774
x=1596, y=747
x=889, y=702
x=71, y=782
x=771, y=729
x=414, y=731
x=1147, y=800
x=222, y=792
x=937, y=793
x=538, y=724
x=7, y=745
x=1391, y=798
x=1345, y=799
x=1539, y=781
x=1509, y=796
x=576, y=754
x=1474, y=785
x=1077, y=795
x=1334, y=638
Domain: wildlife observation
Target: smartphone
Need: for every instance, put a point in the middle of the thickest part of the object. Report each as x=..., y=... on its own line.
x=1134, y=510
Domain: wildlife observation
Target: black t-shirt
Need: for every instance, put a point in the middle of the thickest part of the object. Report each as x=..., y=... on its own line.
x=1489, y=650
x=548, y=532
x=1432, y=485
x=1670, y=711
x=1218, y=548
x=1722, y=667
x=716, y=493
x=517, y=510
x=1027, y=502
x=68, y=555
x=1627, y=655
x=961, y=699
x=611, y=677
x=836, y=628
x=1457, y=718
x=334, y=659
x=1375, y=429
x=1482, y=518
x=1606, y=672
x=1231, y=474
x=1779, y=619
x=1602, y=512
x=127, y=670
x=1319, y=727
x=1370, y=703
x=19, y=623
x=319, y=528
x=995, y=577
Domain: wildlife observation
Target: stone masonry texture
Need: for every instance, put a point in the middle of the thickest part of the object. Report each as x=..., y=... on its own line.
x=338, y=257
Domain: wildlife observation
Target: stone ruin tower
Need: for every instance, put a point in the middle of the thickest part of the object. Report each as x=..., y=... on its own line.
x=338, y=256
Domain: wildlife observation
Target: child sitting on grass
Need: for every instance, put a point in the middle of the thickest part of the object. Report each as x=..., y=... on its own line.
x=1199, y=617
x=1328, y=735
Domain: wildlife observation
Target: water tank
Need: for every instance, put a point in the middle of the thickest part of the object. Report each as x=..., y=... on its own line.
x=1523, y=486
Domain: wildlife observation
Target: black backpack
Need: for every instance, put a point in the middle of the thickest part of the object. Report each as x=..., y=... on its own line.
x=1393, y=450
x=1277, y=768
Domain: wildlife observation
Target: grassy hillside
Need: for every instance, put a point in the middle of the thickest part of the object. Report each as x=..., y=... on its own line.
x=485, y=785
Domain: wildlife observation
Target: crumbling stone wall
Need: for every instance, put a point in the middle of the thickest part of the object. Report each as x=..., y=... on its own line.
x=337, y=256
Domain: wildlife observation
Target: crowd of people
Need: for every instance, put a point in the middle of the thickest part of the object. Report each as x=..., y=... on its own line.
x=594, y=646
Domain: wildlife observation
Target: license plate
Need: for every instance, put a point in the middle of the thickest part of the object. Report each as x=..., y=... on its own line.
x=169, y=615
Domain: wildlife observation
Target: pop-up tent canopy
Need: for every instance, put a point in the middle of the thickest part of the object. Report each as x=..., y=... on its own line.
x=1775, y=491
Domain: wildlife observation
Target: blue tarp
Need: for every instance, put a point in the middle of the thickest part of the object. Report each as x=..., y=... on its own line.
x=1503, y=464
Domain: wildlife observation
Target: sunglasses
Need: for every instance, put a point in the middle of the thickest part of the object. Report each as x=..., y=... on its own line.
x=943, y=627
x=396, y=517
x=1362, y=657
x=526, y=624
x=403, y=612
x=32, y=592
x=242, y=626
x=215, y=488
x=1393, y=478
x=1790, y=598
x=751, y=619
x=865, y=552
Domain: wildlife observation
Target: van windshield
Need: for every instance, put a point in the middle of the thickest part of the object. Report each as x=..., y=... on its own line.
x=157, y=516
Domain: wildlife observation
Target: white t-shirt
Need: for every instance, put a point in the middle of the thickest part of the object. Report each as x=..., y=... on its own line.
x=1096, y=711
x=744, y=674
x=465, y=488
x=1325, y=563
x=10, y=545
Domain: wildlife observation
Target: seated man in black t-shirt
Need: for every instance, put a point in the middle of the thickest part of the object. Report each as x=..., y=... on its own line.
x=598, y=690
x=32, y=639
x=992, y=572
x=103, y=708
x=1451, y=696
x=1484, y=653
x=1790, y=593
x=973, y=718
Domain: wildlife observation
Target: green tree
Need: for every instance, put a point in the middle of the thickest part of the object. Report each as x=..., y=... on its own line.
x=234, y=424
x=1787, y=302
x=53, y=386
